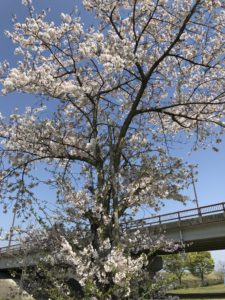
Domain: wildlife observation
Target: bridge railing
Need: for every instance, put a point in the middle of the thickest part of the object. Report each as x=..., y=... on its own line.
x=11, y=249
x=176, y=216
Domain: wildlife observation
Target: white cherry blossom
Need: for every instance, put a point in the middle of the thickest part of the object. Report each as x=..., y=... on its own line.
x=114, y=97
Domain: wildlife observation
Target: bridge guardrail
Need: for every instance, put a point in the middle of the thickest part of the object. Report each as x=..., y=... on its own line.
x=176, y=216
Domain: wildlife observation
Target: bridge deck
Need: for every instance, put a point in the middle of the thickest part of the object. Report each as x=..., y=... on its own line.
x=178, y=217
x=201, y=229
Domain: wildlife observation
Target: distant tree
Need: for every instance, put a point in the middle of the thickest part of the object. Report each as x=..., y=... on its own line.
x=175, y=264
x=200, y=264
x=221, y=269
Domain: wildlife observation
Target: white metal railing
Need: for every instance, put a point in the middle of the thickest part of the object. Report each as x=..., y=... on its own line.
x=176, y=216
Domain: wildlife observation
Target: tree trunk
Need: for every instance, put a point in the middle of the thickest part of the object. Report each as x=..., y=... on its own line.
x=202, y=279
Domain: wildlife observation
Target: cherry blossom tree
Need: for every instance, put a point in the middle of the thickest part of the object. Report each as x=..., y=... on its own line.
x=113, y=97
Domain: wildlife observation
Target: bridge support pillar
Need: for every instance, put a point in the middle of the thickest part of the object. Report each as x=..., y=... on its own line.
x=155, y=264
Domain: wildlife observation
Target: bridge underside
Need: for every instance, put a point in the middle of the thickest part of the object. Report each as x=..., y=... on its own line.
x=205, y=245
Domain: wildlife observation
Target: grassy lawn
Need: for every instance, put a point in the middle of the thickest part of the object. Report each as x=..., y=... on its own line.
x=219, y=288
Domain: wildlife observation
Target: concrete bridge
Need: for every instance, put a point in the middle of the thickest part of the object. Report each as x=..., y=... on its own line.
x=199, y=229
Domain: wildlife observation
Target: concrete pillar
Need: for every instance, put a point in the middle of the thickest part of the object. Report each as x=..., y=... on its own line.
x=155, y=263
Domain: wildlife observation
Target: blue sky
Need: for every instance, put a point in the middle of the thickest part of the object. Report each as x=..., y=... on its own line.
x=211, y=165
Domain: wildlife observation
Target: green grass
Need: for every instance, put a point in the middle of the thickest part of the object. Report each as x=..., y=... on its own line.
x=219, y=288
